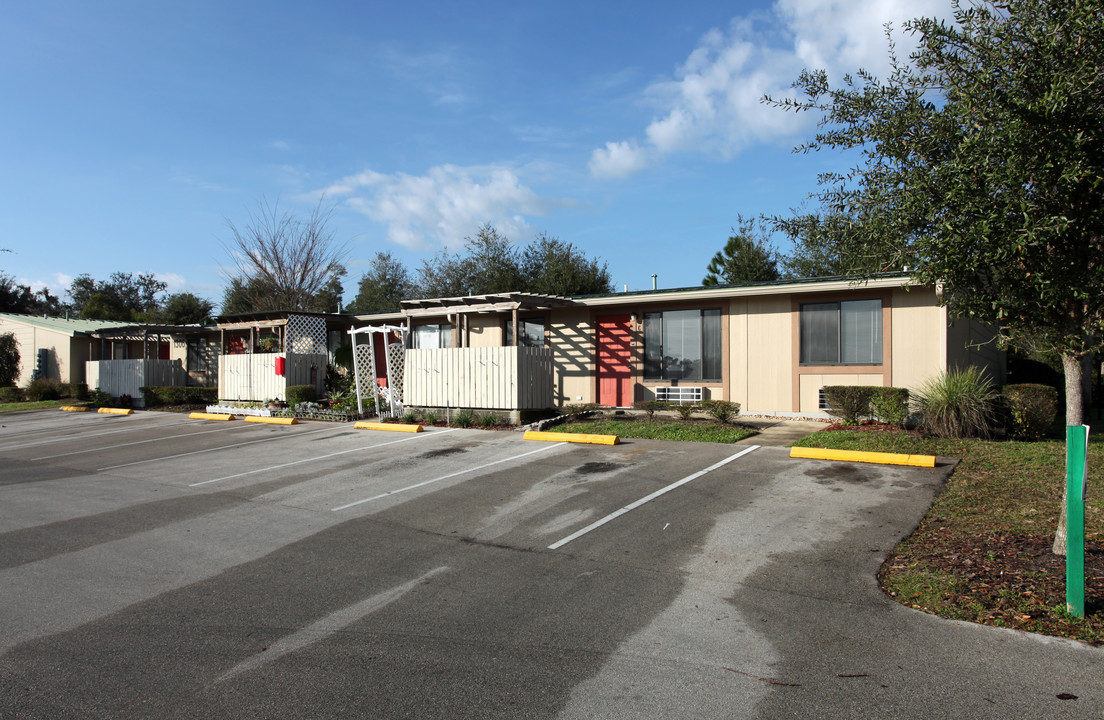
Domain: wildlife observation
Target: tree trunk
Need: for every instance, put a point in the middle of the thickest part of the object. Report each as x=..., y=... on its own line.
x=1071, y=364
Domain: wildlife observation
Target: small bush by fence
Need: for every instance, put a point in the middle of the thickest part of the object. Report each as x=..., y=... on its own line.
x=1029, y=410
x=155, y=395
x=301, y=394
x=853, y=403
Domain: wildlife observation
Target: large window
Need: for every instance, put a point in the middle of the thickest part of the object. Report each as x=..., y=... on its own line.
x=530, y=332
x=683, y=345
x=197, y=355
x=842, y=333
x=437, y=335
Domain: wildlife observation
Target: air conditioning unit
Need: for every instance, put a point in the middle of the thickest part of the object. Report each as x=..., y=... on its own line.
x=679, y=394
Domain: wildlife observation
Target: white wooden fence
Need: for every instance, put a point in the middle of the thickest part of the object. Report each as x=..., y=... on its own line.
x=125, y=377
x=500, y=378
x=252, y=377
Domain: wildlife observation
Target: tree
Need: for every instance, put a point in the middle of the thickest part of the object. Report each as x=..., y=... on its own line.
x=328, y=299
x=19, y=298
x=283, y=261
x=550, y=266
x=14, y=298
x=747, y=257
x=983, y=168
x=123, y=296
x=818, y=240
x=9, y=359
x=383, y=287
x=490, y=264
x=186, y=309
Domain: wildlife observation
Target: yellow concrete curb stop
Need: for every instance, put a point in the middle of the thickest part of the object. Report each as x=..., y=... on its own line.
x=210, y=416
x=863, y=456
x=116, y=411
x=572, y=437
x=271, y=420
x=75, y=408
x=393, y=427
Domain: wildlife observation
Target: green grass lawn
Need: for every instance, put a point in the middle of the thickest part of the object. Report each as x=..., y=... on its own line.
x=40, y=405
x=658, y=430
x=982, y=552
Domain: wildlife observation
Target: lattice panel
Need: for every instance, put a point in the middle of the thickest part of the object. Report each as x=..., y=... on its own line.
x=306, y=335
x=396, y=357
x=366, y=371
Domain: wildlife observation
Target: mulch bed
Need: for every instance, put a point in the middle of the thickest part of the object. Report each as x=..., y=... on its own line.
x=1014, y=580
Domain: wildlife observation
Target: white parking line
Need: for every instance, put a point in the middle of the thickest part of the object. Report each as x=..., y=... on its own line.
x=316, y=458
x=649, y=498
x=137, y=442
x=222, y=447
x=70, y=438
x=327, y=626
x=444, y=477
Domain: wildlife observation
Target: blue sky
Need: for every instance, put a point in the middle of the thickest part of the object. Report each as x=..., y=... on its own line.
x=133, y=131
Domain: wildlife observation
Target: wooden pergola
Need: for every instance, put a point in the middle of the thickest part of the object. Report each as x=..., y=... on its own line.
x=144, y=334
x=464, y=307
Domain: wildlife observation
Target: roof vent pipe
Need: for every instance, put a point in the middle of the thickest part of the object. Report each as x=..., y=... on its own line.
x=654, y=278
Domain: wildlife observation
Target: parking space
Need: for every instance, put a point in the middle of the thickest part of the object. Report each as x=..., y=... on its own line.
x=154, y=566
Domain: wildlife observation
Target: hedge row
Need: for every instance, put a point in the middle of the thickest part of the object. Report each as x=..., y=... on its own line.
x=852, y=403
x=155, y=395
x=300, y=394
x=1027, y=410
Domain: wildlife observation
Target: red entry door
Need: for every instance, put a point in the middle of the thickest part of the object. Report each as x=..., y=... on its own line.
x=615, y=361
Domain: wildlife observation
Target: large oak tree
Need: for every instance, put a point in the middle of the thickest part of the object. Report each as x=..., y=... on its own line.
x=982, y=168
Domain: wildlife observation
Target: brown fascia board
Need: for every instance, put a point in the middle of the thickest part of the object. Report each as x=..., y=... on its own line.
x=743, y=291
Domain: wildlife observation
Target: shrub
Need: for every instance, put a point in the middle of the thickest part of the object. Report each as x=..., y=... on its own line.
x=79, y=391
x=11, y=394
x=576, y=410
x=1029, y=409
x=98, y=398
x=463, y=419
x=957, y=403
x=683, y=410
x=338, y=380
x=431, y=418
x=722, y=410
x=890, y=405
x=154, y=395
x=300, y=394
x=849, y=403
x=9, y=359
x=44, y=389
x=488, y=420
x=650, y=407
x=409, y=417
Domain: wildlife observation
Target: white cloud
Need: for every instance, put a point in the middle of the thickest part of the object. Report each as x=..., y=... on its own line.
x=617, y=159
x=174, y=283
x=443, y=206
x=712, y=104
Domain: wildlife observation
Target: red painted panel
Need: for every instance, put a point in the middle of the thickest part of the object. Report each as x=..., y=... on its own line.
x=614, y=341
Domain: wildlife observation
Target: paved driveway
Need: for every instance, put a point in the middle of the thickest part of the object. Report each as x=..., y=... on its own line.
x=153, y=566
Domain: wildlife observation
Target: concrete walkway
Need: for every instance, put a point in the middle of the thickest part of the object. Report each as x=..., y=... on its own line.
x=780, y=432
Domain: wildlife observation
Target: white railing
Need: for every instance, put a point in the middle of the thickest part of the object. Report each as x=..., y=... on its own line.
x=125, y=377
x=252, y=377
x=499, y=378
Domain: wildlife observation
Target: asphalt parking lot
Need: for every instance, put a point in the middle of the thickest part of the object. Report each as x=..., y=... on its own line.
x=156, y=566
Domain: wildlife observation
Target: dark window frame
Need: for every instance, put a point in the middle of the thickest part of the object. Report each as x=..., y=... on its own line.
x=825, y=322
x=508, y=335
x=658, y=364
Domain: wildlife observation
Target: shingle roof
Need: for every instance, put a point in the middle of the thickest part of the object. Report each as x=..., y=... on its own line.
x=68, y=326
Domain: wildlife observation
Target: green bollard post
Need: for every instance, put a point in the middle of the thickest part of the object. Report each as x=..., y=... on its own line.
x=1077, y=449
